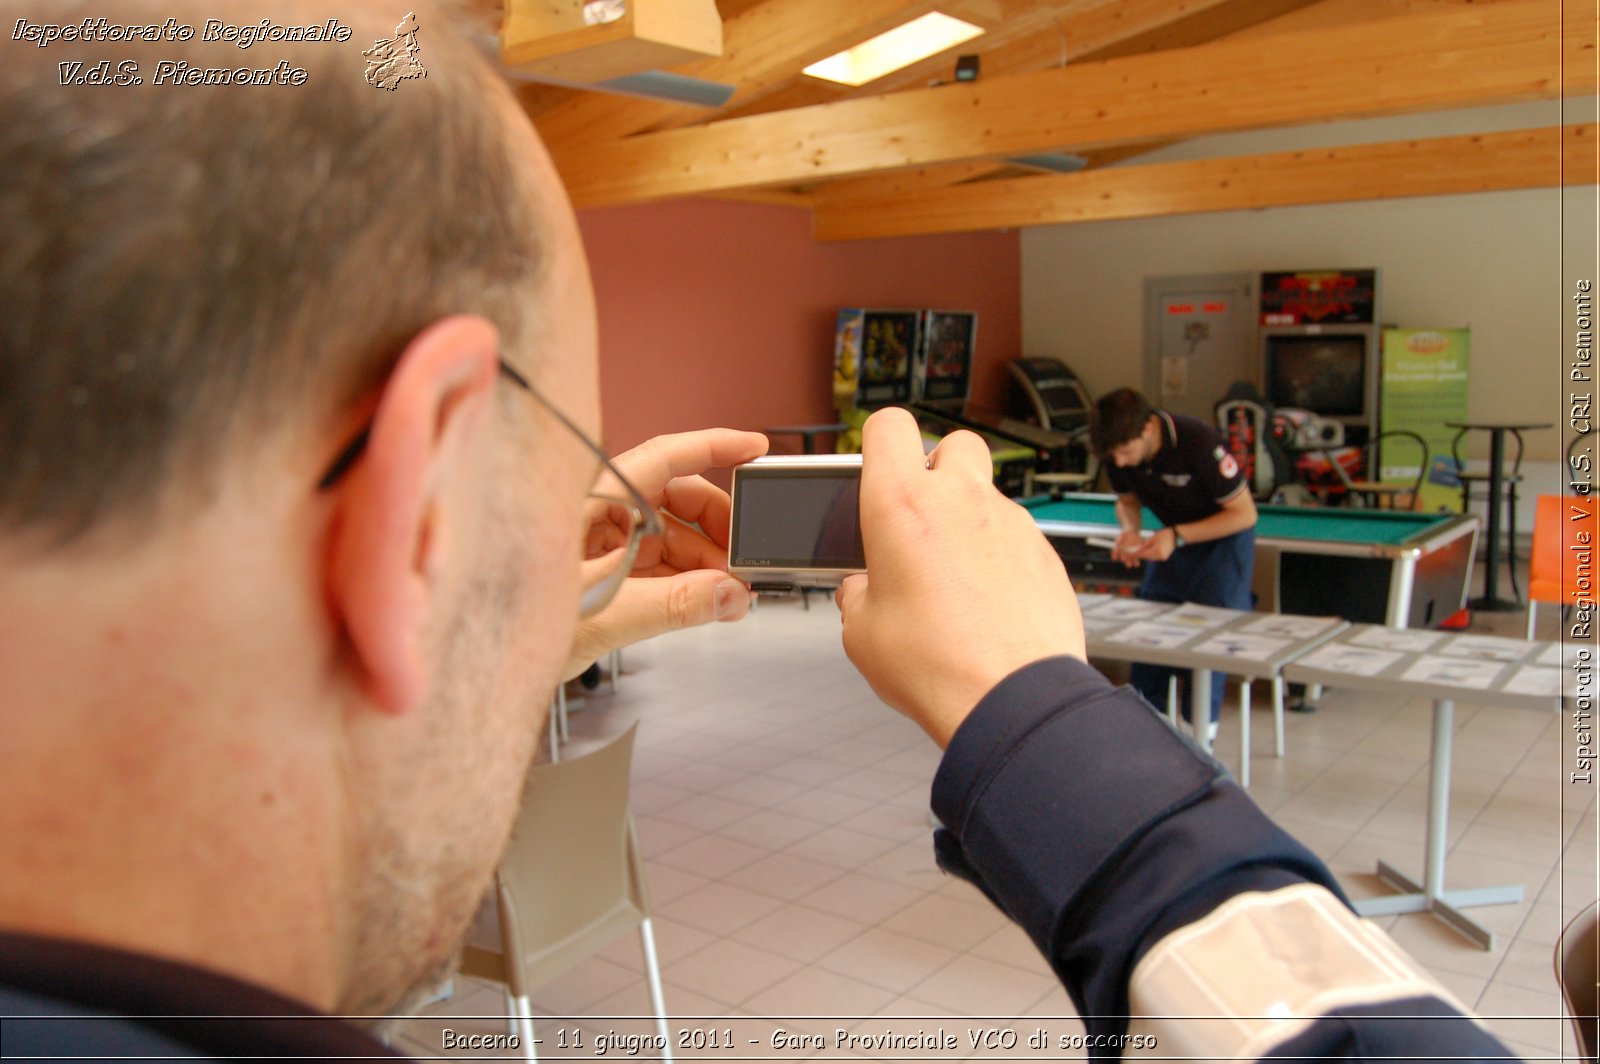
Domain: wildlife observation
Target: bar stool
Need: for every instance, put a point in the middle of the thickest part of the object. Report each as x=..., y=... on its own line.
x=1376, y=493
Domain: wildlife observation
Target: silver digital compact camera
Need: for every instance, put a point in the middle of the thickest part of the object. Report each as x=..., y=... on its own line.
x=796, y=521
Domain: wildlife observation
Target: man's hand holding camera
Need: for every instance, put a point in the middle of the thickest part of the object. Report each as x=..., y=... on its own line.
x=679, y=578
x=961, y=589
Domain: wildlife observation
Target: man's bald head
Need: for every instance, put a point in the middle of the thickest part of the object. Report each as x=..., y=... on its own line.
x=189, y=269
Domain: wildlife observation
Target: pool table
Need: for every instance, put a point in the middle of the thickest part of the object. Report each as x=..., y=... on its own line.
x=1408, y=570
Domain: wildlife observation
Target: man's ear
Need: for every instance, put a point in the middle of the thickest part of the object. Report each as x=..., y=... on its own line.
x=394, y=525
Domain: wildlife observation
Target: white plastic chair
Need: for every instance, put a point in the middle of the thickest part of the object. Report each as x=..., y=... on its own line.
x=570, y=883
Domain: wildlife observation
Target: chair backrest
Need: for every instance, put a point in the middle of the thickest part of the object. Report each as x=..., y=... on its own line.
x=1516, y=455
x=571, y=880
x=1375, y=455
x=1244, y=419
x=1552, y=569
x=1578, y=972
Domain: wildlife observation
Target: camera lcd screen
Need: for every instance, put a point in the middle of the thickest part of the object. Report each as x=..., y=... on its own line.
x=800, y=519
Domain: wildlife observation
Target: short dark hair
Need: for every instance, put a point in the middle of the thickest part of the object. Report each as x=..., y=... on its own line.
x=1119, y=416
x=188, y=269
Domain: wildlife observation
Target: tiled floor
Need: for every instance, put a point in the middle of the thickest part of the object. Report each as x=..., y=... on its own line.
x=783, y=813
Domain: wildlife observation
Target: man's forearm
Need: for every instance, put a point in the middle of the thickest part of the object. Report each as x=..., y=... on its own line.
x=1130, y=515
x=1162, y=895
x=1224, y=522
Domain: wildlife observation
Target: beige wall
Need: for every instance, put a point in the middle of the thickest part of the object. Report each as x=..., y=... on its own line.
x=1490, y=261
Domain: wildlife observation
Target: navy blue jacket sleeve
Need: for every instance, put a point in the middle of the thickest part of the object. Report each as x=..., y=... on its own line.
x=1099, y=829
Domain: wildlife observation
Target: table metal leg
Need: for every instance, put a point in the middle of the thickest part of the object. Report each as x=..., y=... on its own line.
x=1429, y=896
x=1277, y=714
x=1491, y=600
x=1244, y=732
x=1402, y=585
x=1200, y=707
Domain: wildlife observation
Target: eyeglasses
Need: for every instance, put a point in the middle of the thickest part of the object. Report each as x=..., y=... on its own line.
x=614, y=527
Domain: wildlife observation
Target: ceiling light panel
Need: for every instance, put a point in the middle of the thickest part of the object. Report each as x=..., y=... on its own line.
x=897, y=48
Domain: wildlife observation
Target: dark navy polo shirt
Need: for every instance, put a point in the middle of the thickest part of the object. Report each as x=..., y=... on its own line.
x=1190, y=477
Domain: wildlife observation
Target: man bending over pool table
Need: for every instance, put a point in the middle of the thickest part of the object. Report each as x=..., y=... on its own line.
x=1205, y=550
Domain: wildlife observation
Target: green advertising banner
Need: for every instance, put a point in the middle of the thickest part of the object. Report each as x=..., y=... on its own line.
x=1424, y=385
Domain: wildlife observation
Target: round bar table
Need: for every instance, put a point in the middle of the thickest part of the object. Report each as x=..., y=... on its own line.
x=1491, y=600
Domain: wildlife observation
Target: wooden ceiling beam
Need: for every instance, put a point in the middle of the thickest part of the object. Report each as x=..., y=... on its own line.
x=1055, y=35
x=1331, y=14
x=1025, y=20
x=769, y=197
x=906, y=182
x=926, y=178
x=764, y=47
x=1527, y=158
x=1201, y=24
x=1472, y=56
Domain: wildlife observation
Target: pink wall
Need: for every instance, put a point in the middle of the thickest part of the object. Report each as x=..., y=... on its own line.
x=716, y=313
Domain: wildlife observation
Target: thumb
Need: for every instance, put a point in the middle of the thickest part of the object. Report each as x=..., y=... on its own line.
x=651, y=605
x=850, y=591
x=647, y=606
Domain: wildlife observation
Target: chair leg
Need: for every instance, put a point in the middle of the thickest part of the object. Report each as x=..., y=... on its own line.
x=513, y=1017
x=1511, y=539
x=1533, y=609
x=652, y=970
x=519, y=1014
x=555, y=734
x=525, y=1023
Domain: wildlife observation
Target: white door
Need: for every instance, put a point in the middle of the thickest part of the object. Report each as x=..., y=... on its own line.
x=1200, y=337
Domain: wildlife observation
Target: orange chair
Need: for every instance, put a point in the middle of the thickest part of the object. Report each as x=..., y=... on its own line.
x=1552, y=571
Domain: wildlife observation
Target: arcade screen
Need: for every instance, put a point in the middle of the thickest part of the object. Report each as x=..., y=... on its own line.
x=876, y=350
x=1323, y=374
x=945, y=366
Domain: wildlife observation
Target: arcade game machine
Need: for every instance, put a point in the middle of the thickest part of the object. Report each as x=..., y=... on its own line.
x=1053, y=395
x=945, y=399
x=1320, y=366
x=874, y=354
x=918, y=359
x=940, y=394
